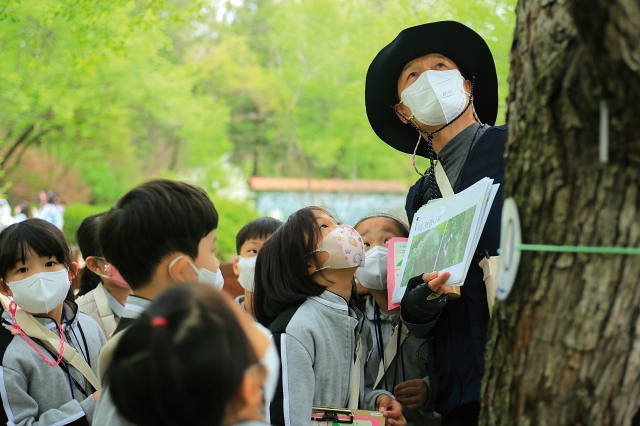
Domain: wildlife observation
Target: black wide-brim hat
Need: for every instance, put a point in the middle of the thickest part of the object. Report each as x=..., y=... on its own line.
x=449, y=38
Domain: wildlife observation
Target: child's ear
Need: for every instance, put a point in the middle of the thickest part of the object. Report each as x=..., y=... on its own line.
x=92, y=264
x=73, y=270
x=178, y=269
x=4, y=288
x=236, y=270
x=250, y=390
x=311, y=266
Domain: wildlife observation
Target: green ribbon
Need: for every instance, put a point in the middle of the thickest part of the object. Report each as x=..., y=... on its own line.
x=577, y=249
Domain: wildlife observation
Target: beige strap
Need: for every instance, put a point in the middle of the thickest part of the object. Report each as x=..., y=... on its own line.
x=446, y=191
x=354, y=383
x=34, y=329
x=443, y=181
x=106, y=314
x=490, y=276
x=390, y=352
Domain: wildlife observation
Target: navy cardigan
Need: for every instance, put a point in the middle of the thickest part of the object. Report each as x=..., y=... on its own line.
x=459, y=334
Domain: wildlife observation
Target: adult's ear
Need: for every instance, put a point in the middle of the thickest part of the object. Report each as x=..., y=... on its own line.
x=398, y=108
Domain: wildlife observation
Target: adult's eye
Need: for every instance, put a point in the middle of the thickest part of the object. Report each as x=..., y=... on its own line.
x=322, y=226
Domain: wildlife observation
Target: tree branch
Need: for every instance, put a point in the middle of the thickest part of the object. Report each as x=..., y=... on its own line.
x=17, y=143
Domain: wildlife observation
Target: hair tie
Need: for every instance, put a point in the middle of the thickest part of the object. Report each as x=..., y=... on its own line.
x=159, y=322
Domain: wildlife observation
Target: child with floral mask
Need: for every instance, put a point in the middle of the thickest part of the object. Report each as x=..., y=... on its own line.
x=38, y=386
x=231, y=364
x=249, y=241
x=103, y=291
x=397, y=364
x=303, y=293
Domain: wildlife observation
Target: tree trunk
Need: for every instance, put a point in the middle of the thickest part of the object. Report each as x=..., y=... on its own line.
x=564, y=348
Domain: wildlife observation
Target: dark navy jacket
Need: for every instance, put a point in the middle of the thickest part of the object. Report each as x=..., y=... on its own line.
x=459, y=334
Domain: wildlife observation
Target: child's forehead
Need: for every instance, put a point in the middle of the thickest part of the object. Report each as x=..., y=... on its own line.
x=379, y=224
x=26, y=254
x=254, y=241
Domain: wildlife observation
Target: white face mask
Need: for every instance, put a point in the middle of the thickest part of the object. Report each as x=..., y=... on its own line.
x=373, y=274
x=270, y=361
x=205, y=276
x=247, y=267
x=42, y=292
x=436, y=97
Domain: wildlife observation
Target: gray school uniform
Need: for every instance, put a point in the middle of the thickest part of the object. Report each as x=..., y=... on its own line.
x=317, y=342
x=409, y=363
x=36, y=393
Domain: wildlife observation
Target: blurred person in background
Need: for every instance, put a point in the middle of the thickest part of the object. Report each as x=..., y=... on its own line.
x=47, y=210
x=21, y=211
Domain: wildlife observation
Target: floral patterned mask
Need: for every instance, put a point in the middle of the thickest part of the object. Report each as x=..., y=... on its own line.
x=345, y=247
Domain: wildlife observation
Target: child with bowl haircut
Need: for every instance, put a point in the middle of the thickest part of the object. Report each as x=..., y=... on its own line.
x=249, y=241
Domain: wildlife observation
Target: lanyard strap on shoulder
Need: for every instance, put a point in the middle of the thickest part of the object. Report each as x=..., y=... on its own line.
x=34, y=329
x=106, y=314
x=390, y=351
x=443, y=181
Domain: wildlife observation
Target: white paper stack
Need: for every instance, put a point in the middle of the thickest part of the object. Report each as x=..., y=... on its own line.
x=445, y=233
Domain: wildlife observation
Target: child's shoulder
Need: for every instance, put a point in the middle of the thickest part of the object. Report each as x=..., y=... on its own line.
x=6, y=337
x=90, y=326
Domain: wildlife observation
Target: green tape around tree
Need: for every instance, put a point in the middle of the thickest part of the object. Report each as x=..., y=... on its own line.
x=576, y=249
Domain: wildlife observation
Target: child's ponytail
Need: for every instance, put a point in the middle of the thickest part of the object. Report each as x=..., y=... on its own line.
x=187, y=346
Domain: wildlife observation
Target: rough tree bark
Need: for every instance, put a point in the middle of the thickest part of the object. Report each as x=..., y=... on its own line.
x=564, y=348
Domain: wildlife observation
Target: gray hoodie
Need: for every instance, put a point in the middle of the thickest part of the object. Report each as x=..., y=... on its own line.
x=35, y=393
x=317, y=343
x=413, y=364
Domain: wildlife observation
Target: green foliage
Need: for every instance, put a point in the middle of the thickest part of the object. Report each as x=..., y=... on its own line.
x=125, y=90
x=98, y=86
x=74, y=215
x=233, y=215
x=293, y=74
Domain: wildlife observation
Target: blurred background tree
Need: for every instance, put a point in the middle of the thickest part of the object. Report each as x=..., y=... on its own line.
x=96, y=97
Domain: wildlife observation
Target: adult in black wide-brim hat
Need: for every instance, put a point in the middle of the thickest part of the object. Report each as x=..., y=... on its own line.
x=469, y=148
x=449, y=38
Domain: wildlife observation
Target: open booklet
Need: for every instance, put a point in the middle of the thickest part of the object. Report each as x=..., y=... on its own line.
x=444, y=235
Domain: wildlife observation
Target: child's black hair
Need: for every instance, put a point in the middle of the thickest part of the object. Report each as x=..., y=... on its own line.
x=261, y=227
x=87, y=238
x=402, y=226
x=32, y=235
x=282, y=274
x=152, y=221
x=182, y=361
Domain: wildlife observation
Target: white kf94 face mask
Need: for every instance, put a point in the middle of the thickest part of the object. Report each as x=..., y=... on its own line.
x=436, y=97
x=205, y=276
x=247, y=267
x=373, y=274
x=42, y=292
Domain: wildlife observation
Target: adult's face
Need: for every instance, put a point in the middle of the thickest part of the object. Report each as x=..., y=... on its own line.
x=414, y=68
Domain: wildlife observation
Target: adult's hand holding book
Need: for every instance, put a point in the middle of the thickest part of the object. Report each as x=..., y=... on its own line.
x=424, y=298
